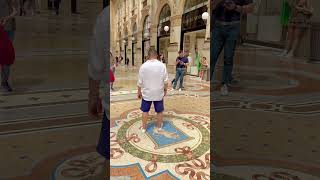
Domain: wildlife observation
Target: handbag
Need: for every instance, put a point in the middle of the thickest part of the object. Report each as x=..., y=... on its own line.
x=7, y=52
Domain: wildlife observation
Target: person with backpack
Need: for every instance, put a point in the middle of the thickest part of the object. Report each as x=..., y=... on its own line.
x=8, y=11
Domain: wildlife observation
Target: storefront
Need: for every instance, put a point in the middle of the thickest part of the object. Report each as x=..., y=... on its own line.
x=163, y=39
x=193, y=31
x=264, y=26
x=146, y=38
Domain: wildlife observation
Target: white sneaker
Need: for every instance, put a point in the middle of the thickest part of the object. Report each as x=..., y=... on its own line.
x=180, y=90
x=290, y=54
x=284, y=53
x=143, y=130
x=224, y=90
x=161, y=126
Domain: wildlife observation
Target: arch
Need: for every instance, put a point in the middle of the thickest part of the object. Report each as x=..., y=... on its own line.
x=165, y=13
x=146, y=26
x=142, y=21
x=156, y=17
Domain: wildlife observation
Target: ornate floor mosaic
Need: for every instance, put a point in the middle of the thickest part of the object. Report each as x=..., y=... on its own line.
x=263, y=173
x=180, y=150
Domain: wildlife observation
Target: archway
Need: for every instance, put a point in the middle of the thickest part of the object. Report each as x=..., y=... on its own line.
x=163, y=39
x=193, y=31
x=145, y=37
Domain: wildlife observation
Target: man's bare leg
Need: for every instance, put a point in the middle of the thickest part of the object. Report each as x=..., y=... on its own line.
x=145, y=116
x=159, y=119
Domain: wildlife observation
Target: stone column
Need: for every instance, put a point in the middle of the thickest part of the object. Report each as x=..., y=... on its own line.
x=175, y=29
x=175, y=36
x=207, y=41
x=129, y=49
x=153, y=36
x=138, y=58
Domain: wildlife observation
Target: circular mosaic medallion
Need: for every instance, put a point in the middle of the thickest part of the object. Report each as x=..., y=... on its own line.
x=267, y=81
x=179, y=134
x=265, y=173
x=85, y=166
x=193, y=86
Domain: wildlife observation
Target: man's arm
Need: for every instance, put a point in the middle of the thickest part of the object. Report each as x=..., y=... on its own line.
x=97, y=66
x=177, y=61
x=14, y=9
x=245, y=9
x=166, y=79
x=139, y=83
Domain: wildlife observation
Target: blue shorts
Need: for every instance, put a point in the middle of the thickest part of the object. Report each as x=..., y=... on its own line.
x=146, y=105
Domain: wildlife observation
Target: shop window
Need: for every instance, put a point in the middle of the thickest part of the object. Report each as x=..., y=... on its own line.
x=191, y=5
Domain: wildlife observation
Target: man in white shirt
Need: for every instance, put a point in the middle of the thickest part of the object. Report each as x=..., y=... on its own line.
x=98, y=70
x=152, y=87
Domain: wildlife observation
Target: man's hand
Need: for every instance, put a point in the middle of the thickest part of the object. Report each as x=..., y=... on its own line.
x=94, y=107
x=165, y=91
x=230, y=5
x=139, y=95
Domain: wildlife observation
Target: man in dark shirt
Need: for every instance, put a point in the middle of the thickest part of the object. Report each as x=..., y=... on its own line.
x=225, y=31
x=181, y=68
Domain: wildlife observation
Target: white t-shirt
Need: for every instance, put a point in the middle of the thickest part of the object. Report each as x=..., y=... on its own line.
x=99, y=58
x=152, y=78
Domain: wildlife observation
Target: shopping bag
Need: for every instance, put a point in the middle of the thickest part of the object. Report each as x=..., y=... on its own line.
x=7, y=52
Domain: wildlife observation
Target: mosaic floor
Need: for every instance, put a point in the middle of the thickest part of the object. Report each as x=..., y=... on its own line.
x=267, y=128
x=181, y=150
x=45, y=132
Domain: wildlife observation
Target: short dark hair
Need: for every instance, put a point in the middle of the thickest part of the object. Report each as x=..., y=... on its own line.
x=152, y=52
